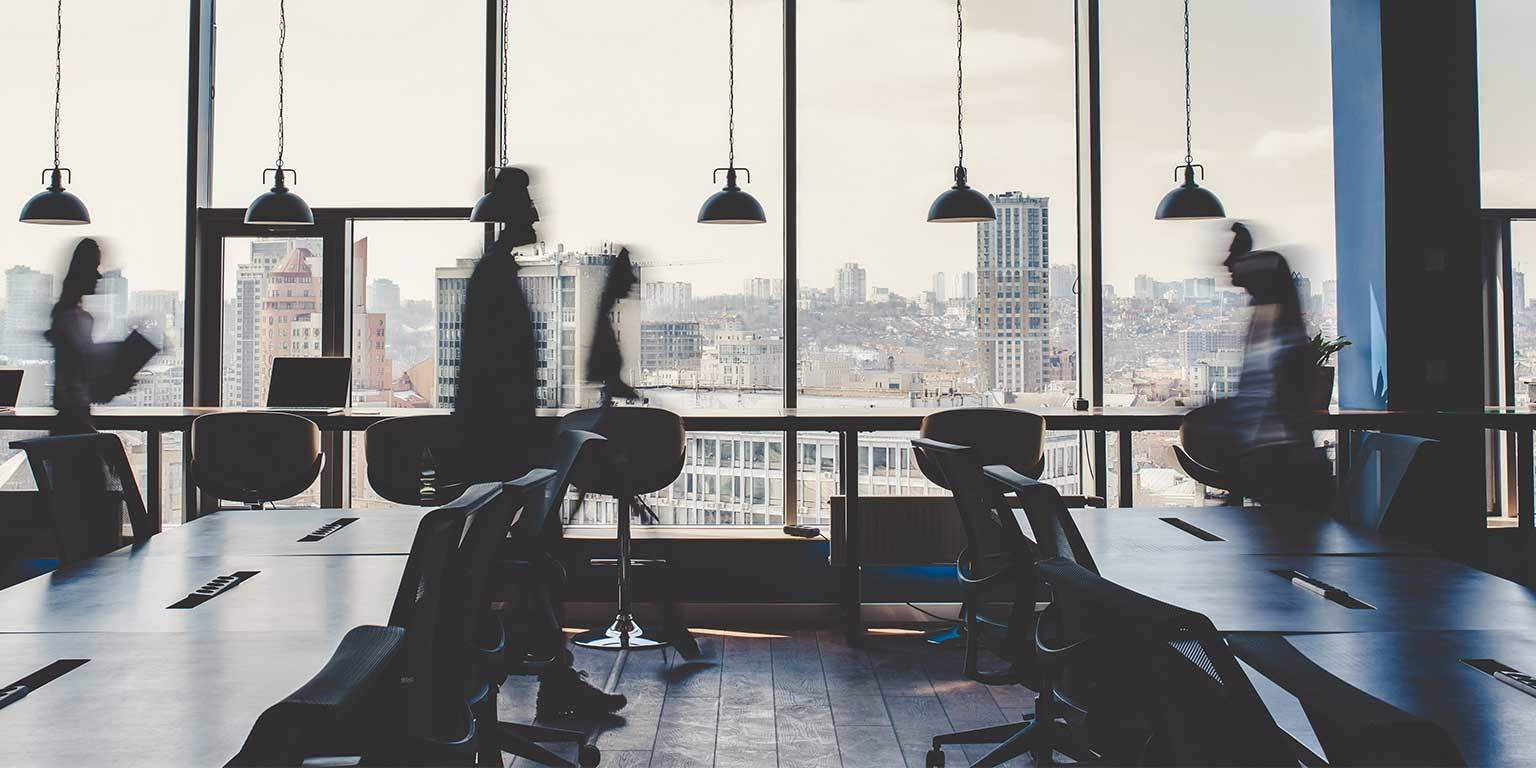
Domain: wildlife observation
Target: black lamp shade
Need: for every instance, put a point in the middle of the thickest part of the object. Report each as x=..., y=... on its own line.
x=279, y=206
x=960, y=204
x=55, y=206
x=731, y=205
x=1190, y=201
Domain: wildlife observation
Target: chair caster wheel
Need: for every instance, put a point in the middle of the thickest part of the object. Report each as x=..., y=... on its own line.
x=588, y=756
x=935, y=758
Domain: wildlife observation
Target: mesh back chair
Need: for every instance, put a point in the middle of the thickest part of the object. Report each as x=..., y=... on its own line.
x=411, y=460
x=998, y=436
x=406, y=689
x=1393, y=486
x=996, y=554
x=1353, y=727
x=643, y=453
x=1131, y=680
x=1055, y=532
x=87, y=487
x=255, y=457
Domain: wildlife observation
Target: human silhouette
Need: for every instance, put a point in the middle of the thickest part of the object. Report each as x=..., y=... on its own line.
x=605, y=364
x=496, y=414
x=1266, y=425
x=83, y=370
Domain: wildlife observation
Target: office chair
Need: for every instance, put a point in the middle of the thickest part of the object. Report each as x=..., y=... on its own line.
x=1393, y=486
x=643, y=453
x=255, y=458
x=87, y=486
x=1160, y=685
x=1201, y=450
x=1352, y=726
x=411, y=460
x=996, y=554
x=1055, y=533
x=999, y=436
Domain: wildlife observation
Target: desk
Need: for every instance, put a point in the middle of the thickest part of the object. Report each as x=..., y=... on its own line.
x=1243, y=530
x=1243, y=594
x=166, y=699
x=131, y=594
x=1421, y=673
x=276, y=532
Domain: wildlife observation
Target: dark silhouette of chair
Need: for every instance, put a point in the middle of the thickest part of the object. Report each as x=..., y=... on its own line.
x=1054, y=531
x=411, y=460
x=1353, y=727
x=87, y=487
x=999, y=436
x=1201, y=450
x=996, y=554
x=1393, y=486
x=255, y=458
x=643, y=453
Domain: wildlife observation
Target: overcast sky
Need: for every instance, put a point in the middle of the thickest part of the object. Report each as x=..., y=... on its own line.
x=621, y=112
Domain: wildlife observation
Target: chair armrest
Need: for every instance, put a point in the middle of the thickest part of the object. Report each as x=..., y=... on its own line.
x=1081, y=502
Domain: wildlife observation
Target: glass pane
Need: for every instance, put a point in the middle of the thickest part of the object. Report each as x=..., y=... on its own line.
x=1505, y=110
x=120, y=60
x=899, y=312
x=1523, y=262
x=707, y=492
x=385, y=102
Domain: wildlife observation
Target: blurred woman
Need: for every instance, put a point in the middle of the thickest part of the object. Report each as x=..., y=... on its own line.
x=82, y=369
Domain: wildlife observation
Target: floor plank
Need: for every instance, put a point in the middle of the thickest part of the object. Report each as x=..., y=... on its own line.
x=802, y=707
x=747, y=732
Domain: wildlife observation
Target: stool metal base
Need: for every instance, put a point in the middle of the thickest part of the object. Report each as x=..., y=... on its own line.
x=616, y=639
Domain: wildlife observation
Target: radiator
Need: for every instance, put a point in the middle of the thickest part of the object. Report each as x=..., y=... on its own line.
x=900, y=530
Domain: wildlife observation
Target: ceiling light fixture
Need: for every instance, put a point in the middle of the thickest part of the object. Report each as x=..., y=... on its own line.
x=1189, y=201
x=280, y=205
x=960, y=204
x=731, y=205
x=53, y=205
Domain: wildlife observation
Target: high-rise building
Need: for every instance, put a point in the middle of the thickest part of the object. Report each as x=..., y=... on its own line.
x=1063, y=277
x=1303, y=291
x=763, y=288
x=371, y=372
x=670, y=345
x=1331, y=297
x=743, y=360
x=109, y=306
x=968, y=287
x=1200, y=288
x=562, y=288
x=850, y=284
x=383, y=295
x=1203, y=344
x=1012, y=312
x=245, y=366
x=940, y=289
x=1517, y=290
x=158, y=313
x=290, y=317
x=28, y=301
x=663, y=297
x=1146, y=287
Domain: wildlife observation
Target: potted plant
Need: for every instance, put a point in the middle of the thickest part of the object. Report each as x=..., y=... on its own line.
x=1322, y=351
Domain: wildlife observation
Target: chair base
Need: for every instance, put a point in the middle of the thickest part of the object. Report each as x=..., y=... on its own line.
x=1033, y=736
x=947, y=636
x=523, y=741
x=622, y=634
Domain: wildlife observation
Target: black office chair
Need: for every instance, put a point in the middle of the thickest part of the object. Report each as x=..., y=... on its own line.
x=998, y=436
x=1052, y=528
x=1393, y=486
x=87, y=486
x=255, y=458
x=996, y=554
x=1132, y=680
x=411, y=460
x=1353, y=727
x=1202, y=452
x=643, y=453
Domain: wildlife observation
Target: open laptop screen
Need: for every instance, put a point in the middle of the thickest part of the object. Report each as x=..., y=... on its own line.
x=309, y=382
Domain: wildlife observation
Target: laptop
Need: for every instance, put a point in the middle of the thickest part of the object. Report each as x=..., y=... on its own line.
x=309, y=385
x=10, y=388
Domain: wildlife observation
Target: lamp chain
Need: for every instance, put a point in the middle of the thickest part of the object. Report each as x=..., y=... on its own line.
x=504, y=4
x=960, y=82
x=1189, y=153
x=282, y=42
x=730, y=42
x=58, y=78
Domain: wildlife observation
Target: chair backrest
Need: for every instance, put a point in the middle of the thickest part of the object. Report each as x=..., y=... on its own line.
x=434, y=609
x=1158, y=683
x=1391, y=486
x=995, y=435
x=573, y=447
x=87, y=487
x=1055, y=532
x=255, y=457
x=408, y=455
x=644, y=452
x=990, y=528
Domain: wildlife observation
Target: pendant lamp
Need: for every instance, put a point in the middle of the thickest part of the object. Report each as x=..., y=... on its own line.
x=279, y=205
x=1189, y=201
x=53, y=205
x=960, y=204
x=490, y=209
x=731, y=205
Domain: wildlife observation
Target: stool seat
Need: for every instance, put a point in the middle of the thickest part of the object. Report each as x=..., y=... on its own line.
x=643, y=454
x=255, y=457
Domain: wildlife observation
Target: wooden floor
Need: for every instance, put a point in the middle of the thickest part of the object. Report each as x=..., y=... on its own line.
x=797, y=698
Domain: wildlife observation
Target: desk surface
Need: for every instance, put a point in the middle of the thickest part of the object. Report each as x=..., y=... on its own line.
x=1422, y=674
x=273, y=532
x=131, y=594
x=1409, y=592
x=149, y=698
x=1243, y=530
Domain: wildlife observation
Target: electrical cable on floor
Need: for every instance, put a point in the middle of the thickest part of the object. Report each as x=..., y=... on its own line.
x=935, y=616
